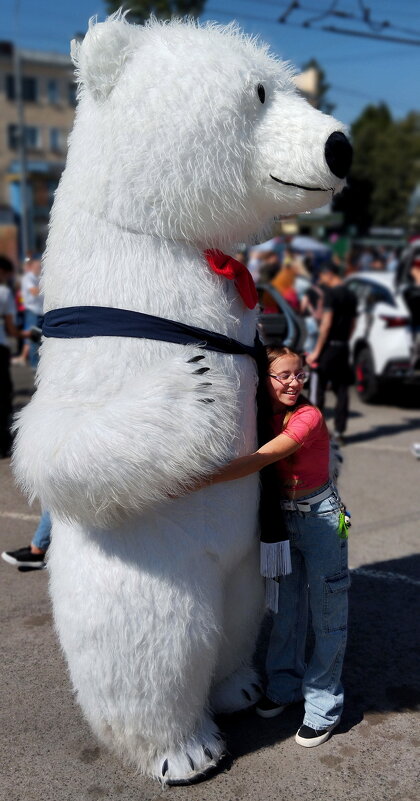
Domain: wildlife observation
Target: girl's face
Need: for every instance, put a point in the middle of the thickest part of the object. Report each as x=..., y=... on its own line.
x=283, y=386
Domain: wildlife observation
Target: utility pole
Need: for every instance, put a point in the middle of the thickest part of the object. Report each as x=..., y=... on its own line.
x=21, y=138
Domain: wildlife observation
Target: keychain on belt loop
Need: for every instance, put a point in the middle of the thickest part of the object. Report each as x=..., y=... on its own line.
x=344, y=523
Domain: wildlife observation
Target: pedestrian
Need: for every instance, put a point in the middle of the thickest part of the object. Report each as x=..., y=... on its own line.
x=316, y=524
x=311, y=307
x=34, y=302
x=331, y=354
x=7, y=328
x=411, y=294
x=32, y=555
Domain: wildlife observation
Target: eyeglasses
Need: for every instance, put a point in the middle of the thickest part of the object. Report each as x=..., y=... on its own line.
x=287, y=378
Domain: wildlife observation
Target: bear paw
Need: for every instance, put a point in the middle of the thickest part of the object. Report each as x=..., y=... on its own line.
x=194, y=760
x=239, y=691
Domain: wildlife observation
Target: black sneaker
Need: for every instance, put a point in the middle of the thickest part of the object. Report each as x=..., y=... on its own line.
x=309, y=738
x=266, y=708
x=24, y=557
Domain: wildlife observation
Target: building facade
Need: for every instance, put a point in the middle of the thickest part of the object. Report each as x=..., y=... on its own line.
x=48, y=99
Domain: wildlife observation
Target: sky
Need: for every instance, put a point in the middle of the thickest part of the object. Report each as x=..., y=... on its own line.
x=360, y=71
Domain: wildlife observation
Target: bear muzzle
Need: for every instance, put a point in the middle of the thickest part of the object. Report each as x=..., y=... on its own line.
x=338, y=154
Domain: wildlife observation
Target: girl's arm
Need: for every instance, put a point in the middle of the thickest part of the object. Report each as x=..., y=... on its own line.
x=278, y=448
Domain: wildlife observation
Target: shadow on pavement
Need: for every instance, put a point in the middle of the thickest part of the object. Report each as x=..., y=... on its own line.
x=381, y=667
x=382, y=431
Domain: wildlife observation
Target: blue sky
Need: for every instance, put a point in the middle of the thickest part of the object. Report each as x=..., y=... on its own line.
x=360, y=71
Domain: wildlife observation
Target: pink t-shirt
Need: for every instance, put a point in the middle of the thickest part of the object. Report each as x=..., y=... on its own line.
x=308, y=467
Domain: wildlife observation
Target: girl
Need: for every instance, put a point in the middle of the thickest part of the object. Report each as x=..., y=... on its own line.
x=319, y=578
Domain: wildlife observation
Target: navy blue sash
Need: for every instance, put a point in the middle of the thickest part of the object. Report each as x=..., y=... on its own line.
x=101, y=321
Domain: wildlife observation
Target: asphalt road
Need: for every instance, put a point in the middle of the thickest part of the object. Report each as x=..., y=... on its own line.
x=47, y=752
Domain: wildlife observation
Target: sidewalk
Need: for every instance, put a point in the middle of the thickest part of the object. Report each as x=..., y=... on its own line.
x=49, y=754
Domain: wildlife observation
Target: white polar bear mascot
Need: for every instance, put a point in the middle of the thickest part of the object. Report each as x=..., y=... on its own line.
x=186, y=139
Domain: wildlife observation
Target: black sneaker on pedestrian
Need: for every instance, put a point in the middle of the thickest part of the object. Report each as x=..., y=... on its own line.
x=309, y=738
x=266, y=708
x=24, y=557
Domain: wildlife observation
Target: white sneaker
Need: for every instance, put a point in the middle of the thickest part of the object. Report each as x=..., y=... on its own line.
x=309, y=738
x=266, y=708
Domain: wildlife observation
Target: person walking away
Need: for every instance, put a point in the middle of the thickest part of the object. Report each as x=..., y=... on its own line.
x=34, y=303
x=7, y=328
x=317, y=527
x=331, y=354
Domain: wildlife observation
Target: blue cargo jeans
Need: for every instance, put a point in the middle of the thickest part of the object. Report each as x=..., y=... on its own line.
x=319, y=581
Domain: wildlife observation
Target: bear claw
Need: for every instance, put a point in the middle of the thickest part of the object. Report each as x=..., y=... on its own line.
x=201, y=370
x=165, y=767
x=196, y=359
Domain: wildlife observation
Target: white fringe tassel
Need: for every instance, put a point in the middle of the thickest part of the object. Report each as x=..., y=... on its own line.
x=272, y=594
x=275, y=559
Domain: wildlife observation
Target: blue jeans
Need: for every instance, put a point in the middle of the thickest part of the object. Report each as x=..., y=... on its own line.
x=319, y=581
x=32, y=319
x=42, y=536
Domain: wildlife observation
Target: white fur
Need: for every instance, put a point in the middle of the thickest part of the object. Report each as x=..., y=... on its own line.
x=157, y=601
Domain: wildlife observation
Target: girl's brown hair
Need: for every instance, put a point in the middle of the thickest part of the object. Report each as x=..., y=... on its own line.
x=274, y=353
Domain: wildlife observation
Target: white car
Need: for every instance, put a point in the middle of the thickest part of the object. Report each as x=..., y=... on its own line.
x=381, y=343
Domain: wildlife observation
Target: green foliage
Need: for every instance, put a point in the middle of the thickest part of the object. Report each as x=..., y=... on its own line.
x=140, y=10
x=386, y=168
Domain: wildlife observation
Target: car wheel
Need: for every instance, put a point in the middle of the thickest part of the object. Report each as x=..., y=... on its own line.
x=367, y=384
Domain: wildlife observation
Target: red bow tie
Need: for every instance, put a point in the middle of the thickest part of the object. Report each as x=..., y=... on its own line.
x=234, y=271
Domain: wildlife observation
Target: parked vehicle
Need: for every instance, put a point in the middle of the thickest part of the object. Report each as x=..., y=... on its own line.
x=381, y=342
x=278, y=323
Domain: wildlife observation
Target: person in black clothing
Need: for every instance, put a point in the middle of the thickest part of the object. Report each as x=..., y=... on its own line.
x=411, y=294
x=7, y=329
x=331, y=354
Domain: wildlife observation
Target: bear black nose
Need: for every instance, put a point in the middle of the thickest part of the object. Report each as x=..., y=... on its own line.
x=338, y=154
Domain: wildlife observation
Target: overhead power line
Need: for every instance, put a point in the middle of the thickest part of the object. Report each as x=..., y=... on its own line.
x=323, y=28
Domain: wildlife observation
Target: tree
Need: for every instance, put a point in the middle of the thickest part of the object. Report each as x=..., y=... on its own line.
x=140, y=10
x=323, y=87
x=385, y=171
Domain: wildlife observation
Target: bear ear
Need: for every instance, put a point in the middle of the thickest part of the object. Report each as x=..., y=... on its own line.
x=101, y=56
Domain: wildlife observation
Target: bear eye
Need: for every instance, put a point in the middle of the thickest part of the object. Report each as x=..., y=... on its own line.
x=261, y=92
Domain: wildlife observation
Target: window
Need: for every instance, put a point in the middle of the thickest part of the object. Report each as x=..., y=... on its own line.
x=10, y=87
x=72, y=94
x=32, y=137
x=57, y=139
x=29, y=88
x=379, y=294
x=359, y=288
x=53, y=93
x=12, y=137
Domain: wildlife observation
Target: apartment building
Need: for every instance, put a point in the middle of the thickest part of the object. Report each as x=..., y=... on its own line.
x=49, y=97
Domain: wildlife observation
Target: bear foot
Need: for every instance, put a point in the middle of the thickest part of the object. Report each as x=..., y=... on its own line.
x=194, y=761
x=239, y=691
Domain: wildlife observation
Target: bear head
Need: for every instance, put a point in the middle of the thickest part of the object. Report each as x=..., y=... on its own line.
x=196, y=133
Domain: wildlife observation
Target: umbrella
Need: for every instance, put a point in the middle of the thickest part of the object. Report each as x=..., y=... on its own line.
x=305, y=243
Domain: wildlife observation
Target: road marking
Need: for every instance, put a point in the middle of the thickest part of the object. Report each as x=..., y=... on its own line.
x=383, y=574
x=19, y=516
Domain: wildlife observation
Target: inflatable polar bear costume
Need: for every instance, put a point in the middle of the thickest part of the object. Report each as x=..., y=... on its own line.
x=185, y=138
